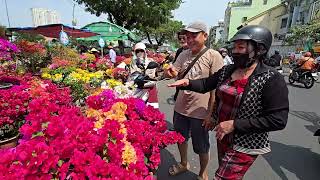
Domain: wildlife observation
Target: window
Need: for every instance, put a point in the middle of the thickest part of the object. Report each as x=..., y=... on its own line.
x=284, y=23
x=265, y=2
x=244, y=19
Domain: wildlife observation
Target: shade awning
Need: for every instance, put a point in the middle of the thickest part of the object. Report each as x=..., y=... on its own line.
x=53, y=31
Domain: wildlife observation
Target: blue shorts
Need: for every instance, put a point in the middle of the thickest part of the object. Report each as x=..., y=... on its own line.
x=199, y=135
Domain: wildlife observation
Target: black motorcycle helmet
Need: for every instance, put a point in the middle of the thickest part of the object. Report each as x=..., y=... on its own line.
x=258, y=34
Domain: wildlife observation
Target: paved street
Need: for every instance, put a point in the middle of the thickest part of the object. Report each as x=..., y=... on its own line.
x=295, y=151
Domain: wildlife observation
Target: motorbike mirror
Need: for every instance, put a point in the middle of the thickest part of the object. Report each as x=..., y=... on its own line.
x=152, y=65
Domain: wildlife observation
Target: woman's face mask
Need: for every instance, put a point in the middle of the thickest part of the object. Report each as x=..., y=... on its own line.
x=242, y=54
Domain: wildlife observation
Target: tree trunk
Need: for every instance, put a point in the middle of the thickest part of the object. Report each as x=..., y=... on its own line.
x=149, y=38
x=110, y=17
x=158, y=42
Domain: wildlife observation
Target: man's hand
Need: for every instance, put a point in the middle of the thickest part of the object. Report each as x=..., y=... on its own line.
x=170, y=71
x=208, y=124
x=180, y=83
x=224, y=128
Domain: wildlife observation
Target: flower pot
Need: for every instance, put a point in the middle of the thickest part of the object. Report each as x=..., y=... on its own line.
x=9, y=143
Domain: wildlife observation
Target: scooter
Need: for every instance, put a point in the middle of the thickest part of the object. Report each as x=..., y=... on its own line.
x=144, y=83
x=305, y=77
x=317, y=133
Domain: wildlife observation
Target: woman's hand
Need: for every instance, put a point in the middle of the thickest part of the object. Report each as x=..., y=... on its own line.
x=180, y=83
x=224, y=128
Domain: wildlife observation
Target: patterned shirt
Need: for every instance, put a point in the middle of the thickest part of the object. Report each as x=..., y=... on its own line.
x=229, y=94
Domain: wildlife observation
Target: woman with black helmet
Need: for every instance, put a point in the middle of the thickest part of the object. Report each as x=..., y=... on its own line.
x=251, y=100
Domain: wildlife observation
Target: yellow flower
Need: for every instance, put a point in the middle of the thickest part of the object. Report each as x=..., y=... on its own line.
x=97, y=92
x=46, y=75
x=123, y=130
x=98, y=125
x=117, y=112
x=93, y=113
x=128, y=154
x=109, y=72
x=113, y=83
x=89, y=57
x=57, y=77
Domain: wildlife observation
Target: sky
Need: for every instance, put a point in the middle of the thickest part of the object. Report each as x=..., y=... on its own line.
x=209, y=11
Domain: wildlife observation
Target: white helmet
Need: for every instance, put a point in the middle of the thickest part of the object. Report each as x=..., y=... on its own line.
x=140, y=45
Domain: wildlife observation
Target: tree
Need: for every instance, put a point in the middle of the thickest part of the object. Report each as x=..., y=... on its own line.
x=217, y=45
x=133, y=15
x=303, y=33
x=29, y=37
x=165, y=32
x=2, y=32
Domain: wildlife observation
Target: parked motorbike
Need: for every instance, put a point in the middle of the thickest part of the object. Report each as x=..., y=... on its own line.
x=317, y=133
x=144, y=83
x=304, y=77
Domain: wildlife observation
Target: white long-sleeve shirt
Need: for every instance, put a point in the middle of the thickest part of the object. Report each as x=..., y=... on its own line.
x=112, y=55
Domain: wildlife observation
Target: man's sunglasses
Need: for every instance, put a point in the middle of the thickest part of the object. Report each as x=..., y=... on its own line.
x=182, y=38
x=192, y=34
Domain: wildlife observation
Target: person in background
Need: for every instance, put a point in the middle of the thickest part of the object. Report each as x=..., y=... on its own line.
x=251, y=100
x=192, y=111
x=95, y=52
x=226, y=59
x=306, y=63
x=112, y=54
x=140, y=59
x=275, y=60
x=183, y=44
x=318, y=59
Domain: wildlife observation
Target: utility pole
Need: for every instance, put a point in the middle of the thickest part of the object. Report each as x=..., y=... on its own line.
x=74, y=22
x=5, y=1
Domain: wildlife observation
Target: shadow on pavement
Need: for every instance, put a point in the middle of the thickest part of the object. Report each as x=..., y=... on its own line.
x=310, y=117
x=284, y=156
x=167, y=159
x=170, y=126
x=298, y=85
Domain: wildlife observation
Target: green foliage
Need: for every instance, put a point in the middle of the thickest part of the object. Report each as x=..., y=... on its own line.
x=165, y=32
x=217, y=45
x=133, y=15
x=300, y=34
x=29, y=37
x=2, y=32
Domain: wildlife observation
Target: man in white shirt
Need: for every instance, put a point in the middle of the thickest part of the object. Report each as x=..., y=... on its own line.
x=226, y=59
x=112, y=54
x=318, y=60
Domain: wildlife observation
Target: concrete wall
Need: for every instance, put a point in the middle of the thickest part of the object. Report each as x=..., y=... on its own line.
x=283, y=49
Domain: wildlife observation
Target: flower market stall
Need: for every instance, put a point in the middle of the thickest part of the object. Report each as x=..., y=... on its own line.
x=76, y=120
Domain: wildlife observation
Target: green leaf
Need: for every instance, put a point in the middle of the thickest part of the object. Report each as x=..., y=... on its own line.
x=38, y=134
x=60, y=162
x=146, y=160
x=44, y=125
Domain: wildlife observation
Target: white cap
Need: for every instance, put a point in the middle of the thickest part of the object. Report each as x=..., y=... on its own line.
x=197, y=26
x=140, y=45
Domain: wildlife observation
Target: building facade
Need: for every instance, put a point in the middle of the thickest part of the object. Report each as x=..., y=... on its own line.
x=240, y=11
x=41, y=16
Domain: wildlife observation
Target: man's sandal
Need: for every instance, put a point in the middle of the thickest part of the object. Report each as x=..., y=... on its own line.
x=178, y=168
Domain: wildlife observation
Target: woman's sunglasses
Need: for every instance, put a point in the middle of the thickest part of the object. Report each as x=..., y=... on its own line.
x=139, y=51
